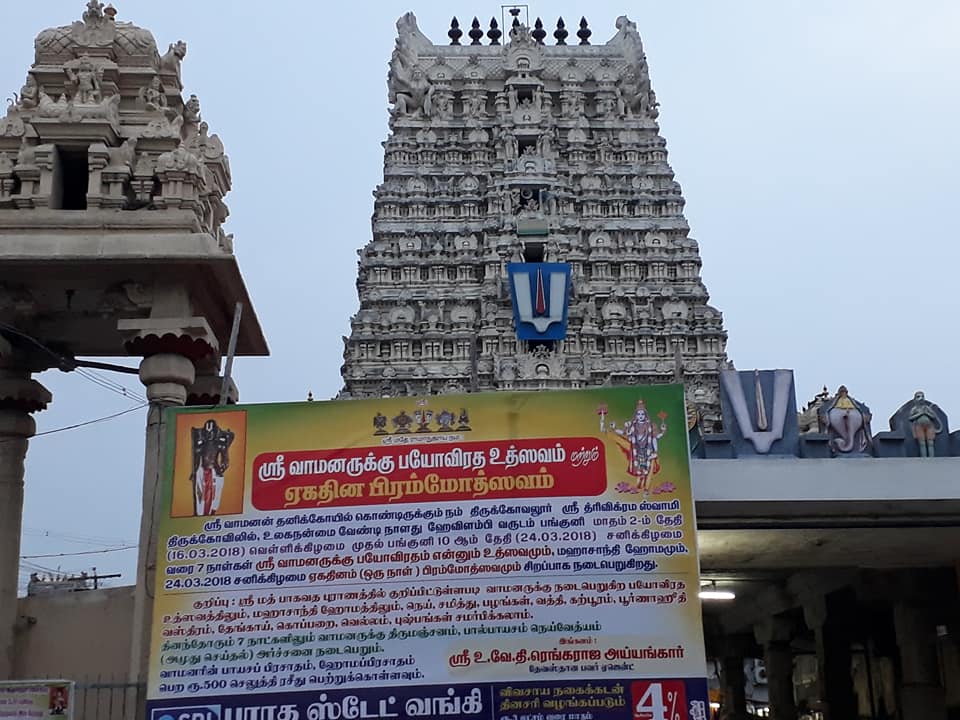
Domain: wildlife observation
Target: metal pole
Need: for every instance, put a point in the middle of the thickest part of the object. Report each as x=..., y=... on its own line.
x=231, y=351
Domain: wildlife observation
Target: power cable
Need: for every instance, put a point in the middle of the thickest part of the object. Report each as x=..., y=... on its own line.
x=110, y=385
x=67, y=364
x=81, y=552
x=80, y=424
x=33, y=530
x=36, y=568
x=78, y=539
x=91, y=422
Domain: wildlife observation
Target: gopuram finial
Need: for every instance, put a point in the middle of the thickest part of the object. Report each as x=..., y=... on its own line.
x=93, y=12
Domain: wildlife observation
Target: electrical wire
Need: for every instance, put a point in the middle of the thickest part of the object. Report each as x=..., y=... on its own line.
x=110, y=385
x=79, y=424
x=67, y=365
x=62, y=362
x=91, y=422
x=81, y=552
x=77, y=539
x=37, y=568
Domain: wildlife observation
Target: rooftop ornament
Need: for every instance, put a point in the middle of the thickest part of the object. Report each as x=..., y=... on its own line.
x=476, y=32
x=494, y=33
x=561, y=32
x=454, y=33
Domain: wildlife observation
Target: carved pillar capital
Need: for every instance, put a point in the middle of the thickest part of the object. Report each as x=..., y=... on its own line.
x=814, y=611
x=190, y=337
x=773, y=631
x=20, y=393
x=167, y=377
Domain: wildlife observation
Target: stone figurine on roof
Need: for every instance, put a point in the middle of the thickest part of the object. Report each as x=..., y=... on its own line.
x=923, y=426
x=847, y=422
x=410, y=89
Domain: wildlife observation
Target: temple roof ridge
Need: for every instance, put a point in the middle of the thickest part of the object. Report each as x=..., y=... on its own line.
x=96, y=33
x=626, y=37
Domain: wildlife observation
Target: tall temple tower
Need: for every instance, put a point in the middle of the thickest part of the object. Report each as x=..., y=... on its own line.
x=505, y=156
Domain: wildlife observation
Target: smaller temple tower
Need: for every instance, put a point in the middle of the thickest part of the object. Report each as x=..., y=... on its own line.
x=111, y=242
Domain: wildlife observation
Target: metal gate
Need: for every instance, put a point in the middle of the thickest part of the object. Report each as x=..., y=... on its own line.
x=108, y=700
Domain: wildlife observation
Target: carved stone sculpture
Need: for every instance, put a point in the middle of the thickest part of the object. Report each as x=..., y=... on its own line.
x=123, y=156
x=191, y=110
x=29, y=94
x=924, y=423
x=96, y=27
x=809, y=418
x=510, y=147
x=153, y=95
x=410, y=90
x=49, y=108
x=27, y=155
x=170, y=62
x=180, y=160
x=163, y=127
x=12, y=124
x=633, y=95
x=85, y=79
x=847, y=422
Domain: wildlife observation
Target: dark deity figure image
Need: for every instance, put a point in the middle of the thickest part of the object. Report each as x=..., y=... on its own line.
x=211, y=458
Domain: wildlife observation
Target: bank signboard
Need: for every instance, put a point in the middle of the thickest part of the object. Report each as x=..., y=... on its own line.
x=502, y=556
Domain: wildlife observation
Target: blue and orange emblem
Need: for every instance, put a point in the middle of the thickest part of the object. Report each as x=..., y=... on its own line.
x=539, y=292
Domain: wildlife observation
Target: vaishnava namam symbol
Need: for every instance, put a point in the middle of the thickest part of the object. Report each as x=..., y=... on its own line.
x=539, y=292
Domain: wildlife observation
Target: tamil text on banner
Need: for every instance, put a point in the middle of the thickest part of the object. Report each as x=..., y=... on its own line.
x=25, y=699
x=499, y=556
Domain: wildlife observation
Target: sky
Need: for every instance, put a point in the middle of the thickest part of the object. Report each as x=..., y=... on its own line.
x=816, y=143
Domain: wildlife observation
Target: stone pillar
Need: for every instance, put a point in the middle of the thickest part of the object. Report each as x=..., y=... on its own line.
x=19, y=397
x=171, y=348
x=921, y=695
x=734, y=705
x=774, y=635
x=166, y=377
x=733, y=681
x=831, y=617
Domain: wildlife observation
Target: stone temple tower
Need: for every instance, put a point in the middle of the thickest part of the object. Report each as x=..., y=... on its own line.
x=528, y=152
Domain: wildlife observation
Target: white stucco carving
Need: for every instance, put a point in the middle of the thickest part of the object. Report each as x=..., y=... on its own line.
x=101, y=84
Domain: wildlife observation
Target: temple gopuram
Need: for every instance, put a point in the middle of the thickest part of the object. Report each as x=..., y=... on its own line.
x=515, y=150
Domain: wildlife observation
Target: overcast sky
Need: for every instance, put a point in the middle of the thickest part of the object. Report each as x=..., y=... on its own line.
x=815, y=141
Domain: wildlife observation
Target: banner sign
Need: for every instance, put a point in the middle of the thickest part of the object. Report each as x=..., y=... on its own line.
x=539, y=292
x=25, y=699
x=501, y=556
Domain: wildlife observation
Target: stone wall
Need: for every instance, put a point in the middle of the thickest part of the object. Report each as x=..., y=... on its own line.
x=75, y=635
